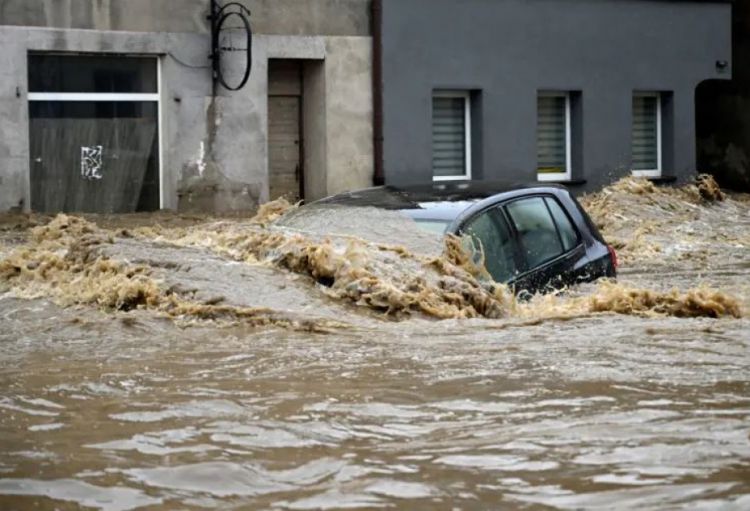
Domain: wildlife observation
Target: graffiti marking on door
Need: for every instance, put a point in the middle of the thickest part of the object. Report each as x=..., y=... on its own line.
x=91, y=162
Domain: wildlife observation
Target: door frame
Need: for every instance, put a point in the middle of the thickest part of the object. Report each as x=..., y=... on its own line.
x=302, y=130
x=300, y=122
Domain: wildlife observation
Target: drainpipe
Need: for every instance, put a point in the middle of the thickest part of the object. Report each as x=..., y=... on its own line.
x=377, y=90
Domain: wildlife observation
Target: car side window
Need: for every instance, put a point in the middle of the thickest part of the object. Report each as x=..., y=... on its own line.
x=568, y=232
x=536, y=230
x=490, y=232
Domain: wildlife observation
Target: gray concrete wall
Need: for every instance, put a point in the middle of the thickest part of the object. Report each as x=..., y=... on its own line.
x=278, y=17
x=214, y=149
x=226, y=167
x=507, y=50
x=314, y=129
x=337, y=118
x=349, y=147
x=183, y=122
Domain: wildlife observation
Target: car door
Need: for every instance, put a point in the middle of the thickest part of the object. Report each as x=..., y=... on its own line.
x=548, y=241
x=490, y=239
x=575, y=258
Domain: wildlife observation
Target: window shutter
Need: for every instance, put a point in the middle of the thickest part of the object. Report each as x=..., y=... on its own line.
x=645, y=133
x=448, y=136
x=551, y=134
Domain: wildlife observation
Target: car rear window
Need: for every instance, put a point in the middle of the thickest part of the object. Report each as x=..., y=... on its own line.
x=568, y=233
x=490, y=233
x=536, y=230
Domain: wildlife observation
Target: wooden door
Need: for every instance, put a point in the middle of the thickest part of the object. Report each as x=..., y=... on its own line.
x=284, y=147
x=284, y=133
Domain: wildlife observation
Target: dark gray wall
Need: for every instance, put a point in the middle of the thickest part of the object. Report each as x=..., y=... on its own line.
x=287, y=17
x=507, y=50
x=723, y=113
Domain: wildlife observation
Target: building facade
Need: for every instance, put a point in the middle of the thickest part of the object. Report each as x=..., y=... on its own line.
x=575, y=91
x=110, y=105
x=723, y=113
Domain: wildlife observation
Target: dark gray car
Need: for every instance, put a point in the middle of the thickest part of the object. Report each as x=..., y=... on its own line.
x=534, y=238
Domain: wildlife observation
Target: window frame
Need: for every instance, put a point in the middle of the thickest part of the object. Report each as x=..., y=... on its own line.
x=466, y=96
x=557, y=176
x=657, y=172
x=147, y=97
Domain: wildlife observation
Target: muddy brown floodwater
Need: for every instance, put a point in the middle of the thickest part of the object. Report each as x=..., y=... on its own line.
x=333, y=359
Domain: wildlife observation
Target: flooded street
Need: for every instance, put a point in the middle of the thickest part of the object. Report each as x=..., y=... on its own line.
x=336, y=360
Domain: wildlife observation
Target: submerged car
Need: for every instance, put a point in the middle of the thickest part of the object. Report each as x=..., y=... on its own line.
x=534, y=238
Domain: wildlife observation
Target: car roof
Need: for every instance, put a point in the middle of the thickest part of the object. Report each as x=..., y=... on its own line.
x=440, y=201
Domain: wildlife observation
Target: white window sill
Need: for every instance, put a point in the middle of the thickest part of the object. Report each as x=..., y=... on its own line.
x=552, y=177
x=451, y=178
x=647, y=173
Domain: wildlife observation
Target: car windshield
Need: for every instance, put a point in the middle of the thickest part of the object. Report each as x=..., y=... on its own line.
x=434, y=226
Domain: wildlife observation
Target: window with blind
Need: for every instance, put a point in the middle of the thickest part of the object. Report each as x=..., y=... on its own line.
x=647, y=134
x=553, y=136
x=451, y=136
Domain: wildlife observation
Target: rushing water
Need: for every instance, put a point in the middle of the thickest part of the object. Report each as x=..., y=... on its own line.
x=123, y=410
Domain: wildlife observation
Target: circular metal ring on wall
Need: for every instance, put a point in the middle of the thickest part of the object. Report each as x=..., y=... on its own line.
x=220, y=51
